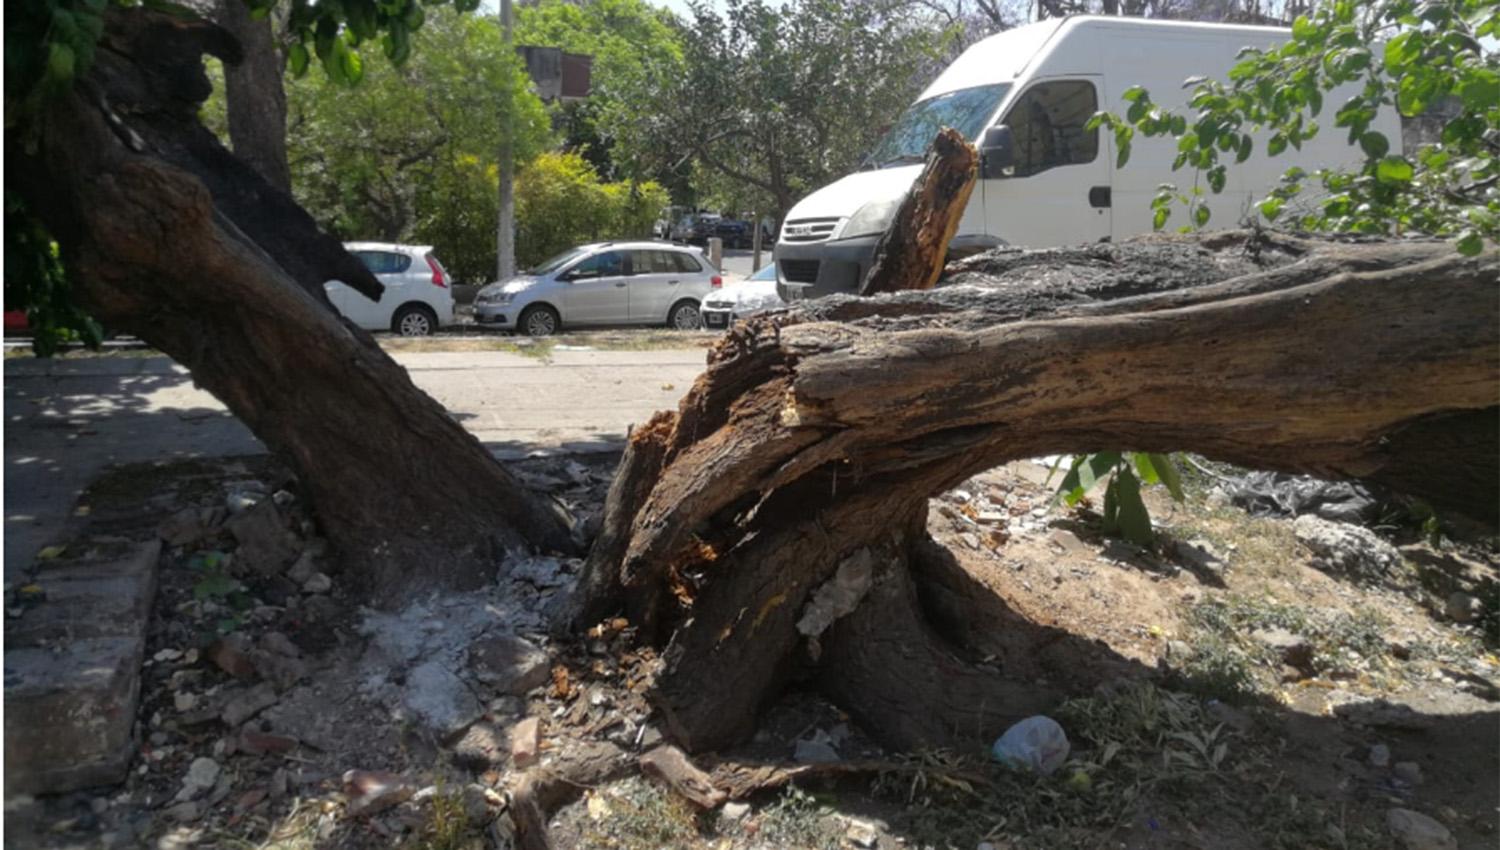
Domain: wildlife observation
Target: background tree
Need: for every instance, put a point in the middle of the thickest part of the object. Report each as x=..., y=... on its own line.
x=561, y=202
x=779, y=98
x=406, y=155
x=624, y=37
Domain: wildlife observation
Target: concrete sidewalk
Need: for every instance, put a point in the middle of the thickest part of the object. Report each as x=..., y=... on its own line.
x=66, y=420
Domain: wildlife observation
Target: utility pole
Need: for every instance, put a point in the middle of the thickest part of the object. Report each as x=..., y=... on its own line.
x=505, y=236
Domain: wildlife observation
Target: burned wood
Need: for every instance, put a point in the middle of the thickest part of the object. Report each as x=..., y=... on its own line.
x=913, y=249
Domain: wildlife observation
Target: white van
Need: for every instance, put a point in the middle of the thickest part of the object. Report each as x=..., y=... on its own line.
x=1044, y=81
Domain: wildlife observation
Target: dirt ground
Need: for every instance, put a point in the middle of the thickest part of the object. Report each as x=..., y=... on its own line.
x=1192, y=723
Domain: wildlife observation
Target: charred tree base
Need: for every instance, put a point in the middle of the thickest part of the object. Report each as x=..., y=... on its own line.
x=772, y=530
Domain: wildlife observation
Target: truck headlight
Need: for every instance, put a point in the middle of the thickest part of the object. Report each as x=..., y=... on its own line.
x=873, y=217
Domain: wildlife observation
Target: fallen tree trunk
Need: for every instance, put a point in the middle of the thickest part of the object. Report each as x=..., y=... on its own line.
x=172, y=239
x=769, y=526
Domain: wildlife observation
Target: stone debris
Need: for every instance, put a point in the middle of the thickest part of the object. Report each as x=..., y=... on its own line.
x=1463, y=608
x=232, y=655
x=373, y=791
x=482, y=746
x=1346, y=549
x=247, y=703
x=266, y=546
x=862, y=834
x=437, y=698
x=1408, y=771
x=1292, y=649
x=1380, y=756
x=1199, y=555
x=304, y=568
x=257, y=743
x=510, y=664
x=735, y=811
x=1416, y=831
x=525, y=743
x=201, y=776
x=319, y=583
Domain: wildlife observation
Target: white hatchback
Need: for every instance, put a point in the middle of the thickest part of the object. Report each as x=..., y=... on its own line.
x=417, y=299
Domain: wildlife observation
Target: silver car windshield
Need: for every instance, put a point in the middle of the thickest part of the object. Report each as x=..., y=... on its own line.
x=964, y=110
x=554, y=263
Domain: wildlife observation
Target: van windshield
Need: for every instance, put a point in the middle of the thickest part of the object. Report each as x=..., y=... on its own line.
x=554, y=263
x=964, y=110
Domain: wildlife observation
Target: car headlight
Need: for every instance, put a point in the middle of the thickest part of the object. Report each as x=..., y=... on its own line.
x=873, y=217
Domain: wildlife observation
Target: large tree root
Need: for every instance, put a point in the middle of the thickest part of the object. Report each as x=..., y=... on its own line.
x=764, y=532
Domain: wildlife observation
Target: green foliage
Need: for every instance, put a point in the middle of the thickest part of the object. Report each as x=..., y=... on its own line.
x=1124, y=513
x=411, y=153
x=36, y=279
x=763, y=93
x=215, y=585
x=624, y=37
x=561, y=202
x=1423, y=59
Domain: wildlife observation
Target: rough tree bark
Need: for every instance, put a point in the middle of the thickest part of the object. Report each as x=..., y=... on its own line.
x=174, y=240
x=911, y=252
x=790, y=488
x=253, y=95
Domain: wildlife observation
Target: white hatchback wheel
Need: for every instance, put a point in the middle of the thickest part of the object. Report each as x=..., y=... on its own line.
x=414, y=321
x=685, y=317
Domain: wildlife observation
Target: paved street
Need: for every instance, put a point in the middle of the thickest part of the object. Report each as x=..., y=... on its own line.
x=67, y=420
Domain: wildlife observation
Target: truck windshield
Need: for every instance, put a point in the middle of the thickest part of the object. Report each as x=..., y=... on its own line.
x=964, y=110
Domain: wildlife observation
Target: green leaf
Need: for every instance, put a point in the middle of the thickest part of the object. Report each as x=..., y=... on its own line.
x=1303, y=29
x=1470, y=243
x=1134, y=93
x=1394, y=169
x=1159, y=218
x=1200, y=215
x=1166, y=470
x=59, y=63
x=297, y=59
x=1374, y=144
x=1481, y=90
x=1132, y=518
x=1247, y=147
x=1276, y=145
x=1143, y=467
x=1401, y=50
x=1216, y=178
x=1271, y=207
x=1086, y=472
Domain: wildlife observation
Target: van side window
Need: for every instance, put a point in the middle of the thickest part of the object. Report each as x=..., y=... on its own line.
x=1047, y=125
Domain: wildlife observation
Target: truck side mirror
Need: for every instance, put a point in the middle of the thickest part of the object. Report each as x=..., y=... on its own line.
x=997, y=155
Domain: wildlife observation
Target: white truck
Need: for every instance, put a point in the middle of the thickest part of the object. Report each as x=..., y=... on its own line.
x=1023, y=96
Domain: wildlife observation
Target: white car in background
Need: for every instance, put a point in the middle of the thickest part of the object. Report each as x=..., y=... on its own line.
x=417, y=298
x=607, y=283
x=754, y=294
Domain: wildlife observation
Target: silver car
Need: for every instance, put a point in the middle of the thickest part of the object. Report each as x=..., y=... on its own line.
x=610, y=283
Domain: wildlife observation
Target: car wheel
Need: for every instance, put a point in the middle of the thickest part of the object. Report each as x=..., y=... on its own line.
x=685, y=316
x=539, y=320
x=415, y=320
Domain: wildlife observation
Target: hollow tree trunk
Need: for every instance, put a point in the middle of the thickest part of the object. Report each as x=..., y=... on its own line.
x=769, y=524
x=174, y=240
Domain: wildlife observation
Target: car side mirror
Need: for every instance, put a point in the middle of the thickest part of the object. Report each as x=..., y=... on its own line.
x=997, y=153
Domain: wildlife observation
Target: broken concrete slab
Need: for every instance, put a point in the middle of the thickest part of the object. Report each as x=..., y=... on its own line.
x=69, y=714
x=72, y=673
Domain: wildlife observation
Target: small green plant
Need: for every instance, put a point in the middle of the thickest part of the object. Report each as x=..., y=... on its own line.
x=1124, y=513
x=797, y=820
x=215, y=584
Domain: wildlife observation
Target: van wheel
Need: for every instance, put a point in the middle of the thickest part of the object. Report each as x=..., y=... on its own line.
x=415, y=320
x=538, y=320
x=685, y=316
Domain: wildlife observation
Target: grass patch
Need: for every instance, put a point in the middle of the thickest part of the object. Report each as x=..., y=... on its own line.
x=638, y=815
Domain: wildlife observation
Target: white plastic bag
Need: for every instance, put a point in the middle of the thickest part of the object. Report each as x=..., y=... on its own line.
x=1036, y=743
